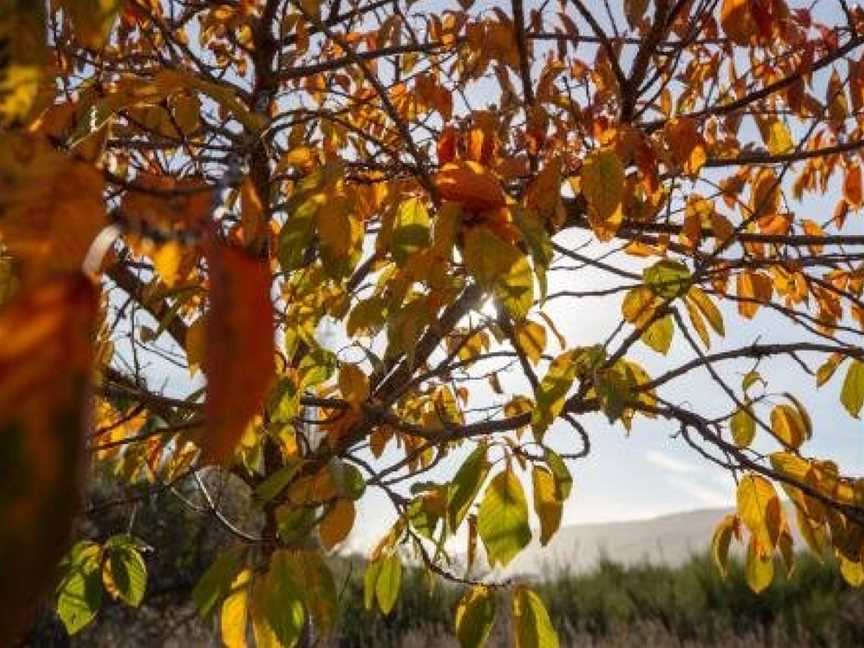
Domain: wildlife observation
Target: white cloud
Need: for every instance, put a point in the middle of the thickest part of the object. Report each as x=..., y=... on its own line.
x=708, y=496
x=669, y=463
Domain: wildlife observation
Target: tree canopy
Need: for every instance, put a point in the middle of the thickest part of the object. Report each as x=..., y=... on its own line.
x=362, y=229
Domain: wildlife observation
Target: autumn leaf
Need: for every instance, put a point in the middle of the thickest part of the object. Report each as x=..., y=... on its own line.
x=51, y=206
x=754, y=289
x=500, y=266
x=546, y=503
x=471, y=185
x=337, y=524
x=45, y=370
x=531, y=621
x=737, y=21
x=602, y=184
x=475, y=615
x=239, y=353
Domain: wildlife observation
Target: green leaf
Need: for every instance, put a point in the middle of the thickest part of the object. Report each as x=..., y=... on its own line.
x=852, y=395
x=667, y=279
x=743, y=428
x=552, y=391
x=297, y=233
x=316, y=367
x=563, y=478
x=370, y=579
x=216, y=581
x=475, y=616
x=533, y=628
x=659, y=335
x=347, y=479
x=318, y=587
x=502, y=521
x=410, y=230
x=465, y=486
x=79, y=593
x=276, y=482
x=388, y=583
x=283, y=600
x=124, y=573
x=499, y=266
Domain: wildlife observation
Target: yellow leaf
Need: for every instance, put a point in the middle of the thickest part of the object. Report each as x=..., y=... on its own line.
x=233, y=617
x=852, y=572
x=531, y=338
x=759, y=567
x=337, y=524
x=532, y=626
x=707, y=307
x=743, y=428
x=659, y=334
x=546, y=503
x=239, y=357
x=166, y=260
x=92, y=20
x=19, y=87
x=698, y=323
x=852, y=394
x=499, y=265
x=196, y=341
x=776, y=135
x=760, y=511
x=334, y=227
x=788, y=426
x=475, y=615
x=721, y=540
x=354, y=384
x=602, y=184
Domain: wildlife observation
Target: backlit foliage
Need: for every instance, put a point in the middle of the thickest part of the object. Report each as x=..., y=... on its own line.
x=216, y=185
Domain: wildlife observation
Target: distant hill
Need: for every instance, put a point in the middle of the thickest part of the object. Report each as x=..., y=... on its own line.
x=668, y=540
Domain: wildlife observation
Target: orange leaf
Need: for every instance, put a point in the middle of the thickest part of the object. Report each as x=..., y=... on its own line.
x=337, y=524
x=472, y=185
x=736, y=19
x=239, y=357
x=755, y=289
x=52, y=207
x=45, y=358
x=686, y=144
x=852, y=186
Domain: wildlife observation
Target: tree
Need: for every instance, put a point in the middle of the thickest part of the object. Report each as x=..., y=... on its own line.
x=205, y=185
